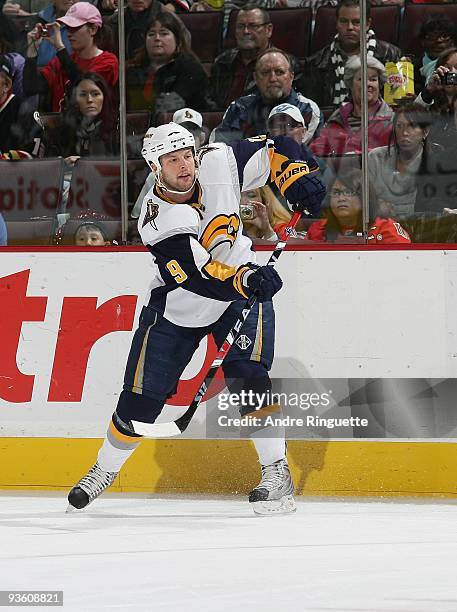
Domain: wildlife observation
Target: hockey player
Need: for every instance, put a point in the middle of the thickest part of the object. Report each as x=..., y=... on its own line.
x=203, y=271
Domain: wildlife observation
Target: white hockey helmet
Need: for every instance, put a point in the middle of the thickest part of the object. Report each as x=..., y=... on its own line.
x=164, y=139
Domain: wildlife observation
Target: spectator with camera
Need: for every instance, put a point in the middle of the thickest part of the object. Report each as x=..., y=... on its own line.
x=342, y=132
x=232, y=73
x=165, y=75
x=49, y=15
x=255, y=216
x=84, y=25
x=323, y=74
x=439, y=96
x=437, y=34
x=247, y=116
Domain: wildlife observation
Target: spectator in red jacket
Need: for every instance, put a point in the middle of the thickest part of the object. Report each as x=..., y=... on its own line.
x=342, y=133
x=343, y=215
x=84, y=23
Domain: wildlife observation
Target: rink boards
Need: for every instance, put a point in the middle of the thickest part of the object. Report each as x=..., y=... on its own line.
x=66, y=321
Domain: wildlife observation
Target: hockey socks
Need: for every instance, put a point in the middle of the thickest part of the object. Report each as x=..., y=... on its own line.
x=117, y=447
x=269, y=450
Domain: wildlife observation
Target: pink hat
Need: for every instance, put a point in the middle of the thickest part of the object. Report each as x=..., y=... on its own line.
x=81, y=13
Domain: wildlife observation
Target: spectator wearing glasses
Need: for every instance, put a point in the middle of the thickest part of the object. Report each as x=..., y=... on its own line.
x=342, y=212
x=247, y=116
x=435, y=36
x=84, y=24
x=323, y=74
x=232, y=74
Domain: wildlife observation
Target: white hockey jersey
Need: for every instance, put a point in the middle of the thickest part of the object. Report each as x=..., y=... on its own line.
x=199, y=249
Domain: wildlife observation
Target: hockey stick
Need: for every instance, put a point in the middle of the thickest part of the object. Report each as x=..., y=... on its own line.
x=174, y=428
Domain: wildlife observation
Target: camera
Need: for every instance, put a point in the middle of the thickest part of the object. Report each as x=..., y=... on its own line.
x=247, y=211
x=44, y=31
x=450, y=78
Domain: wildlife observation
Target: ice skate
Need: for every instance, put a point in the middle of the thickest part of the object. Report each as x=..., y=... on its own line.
x=90, y=487
x=274, y=493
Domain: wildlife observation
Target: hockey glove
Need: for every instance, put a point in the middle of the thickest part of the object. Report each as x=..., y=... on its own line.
x=306, y=194
x=265, y=282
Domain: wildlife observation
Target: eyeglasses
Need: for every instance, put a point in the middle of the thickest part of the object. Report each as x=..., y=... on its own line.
x=437, y=37
x=348, y=193
x=250, y=27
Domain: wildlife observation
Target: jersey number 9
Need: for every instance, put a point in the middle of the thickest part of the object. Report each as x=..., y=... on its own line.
x=176, y=271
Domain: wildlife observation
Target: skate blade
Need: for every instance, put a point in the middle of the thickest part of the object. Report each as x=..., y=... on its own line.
x=285, y=505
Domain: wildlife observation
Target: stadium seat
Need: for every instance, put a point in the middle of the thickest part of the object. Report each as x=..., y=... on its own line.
x=30, y=188
x=28, y=233
x=291, y=30
x=206, y=30
x=414, y=17
x=385, y=21
x=96, y=185
x=327, y=111
x=50, y=120
x=138, y=122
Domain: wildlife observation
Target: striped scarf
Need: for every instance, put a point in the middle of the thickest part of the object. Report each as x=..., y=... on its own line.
x=340, y=93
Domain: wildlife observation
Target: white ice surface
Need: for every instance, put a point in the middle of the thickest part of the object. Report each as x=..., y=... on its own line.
x=202, y=555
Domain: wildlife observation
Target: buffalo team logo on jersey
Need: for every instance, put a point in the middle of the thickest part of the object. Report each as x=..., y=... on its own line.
x=219, y=230
x=243, y=342
x=152, y=210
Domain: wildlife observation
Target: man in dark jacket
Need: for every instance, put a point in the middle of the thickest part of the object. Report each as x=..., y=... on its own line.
x=232, y=74
x=323, y=74
x=247, y=116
